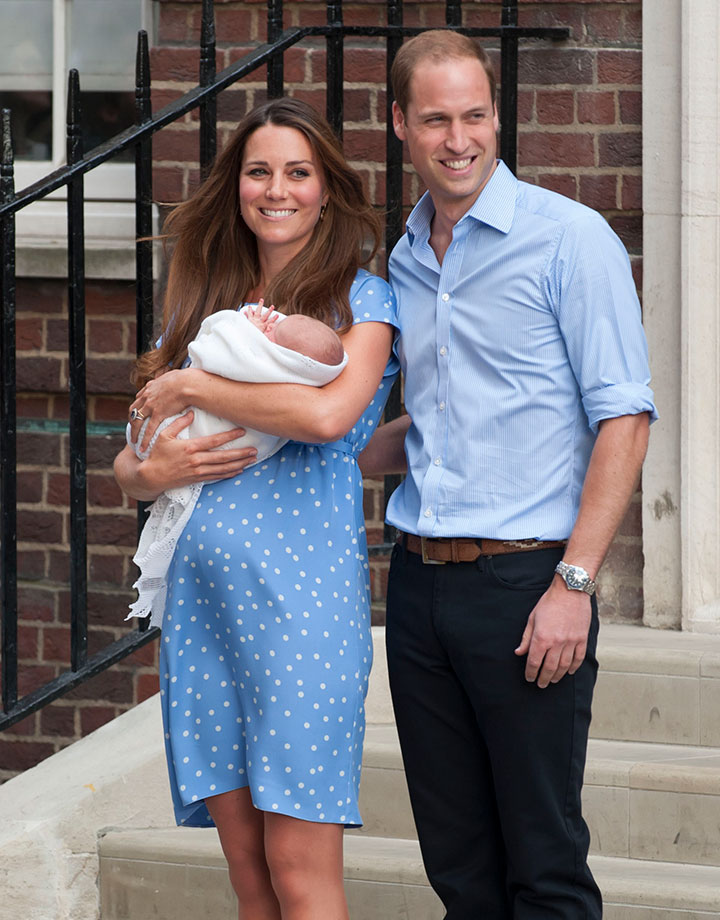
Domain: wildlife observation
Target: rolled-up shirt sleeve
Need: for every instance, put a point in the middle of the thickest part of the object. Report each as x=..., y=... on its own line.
x=592, y=293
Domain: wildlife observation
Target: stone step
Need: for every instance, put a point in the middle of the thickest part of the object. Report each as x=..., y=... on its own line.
x=179, y=874
x=646, y=801
x=654, y=685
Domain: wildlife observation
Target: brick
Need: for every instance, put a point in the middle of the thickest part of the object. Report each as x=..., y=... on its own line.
x=143, y=657
x=116, y=297
x=147, y=686
x=56, y=644
x=59, y=565
x=562, y=183
x=104, y=492
x=364, y=145
x=92, y=717
x=31, y=564
x=631, y=195
x=60, y=406
x=177, y=63
x=554, y=66
x=109, y=409
x=41, y=296
x=58, y=720
x=526, y=107
x=112, y=529
x=106, y=336
x=362, y=65
x=29, y=487
x=57, y=335
x=40, y=526
x=599, y=192
x=631, y=525
x=234, y=25
x=109, y=375
x=539, y=149
x=632, y=26
x=32, y=677
x=106, y=570
x=39, y=373
x=631, y=602
x=29, y=334
x=234, y=55
x=36, y=604
x=28, y=642
x=163, y=97
x=630, y=107
x=356, y=105
x=629, y=229
x=624, y=558
x=233, y=105
x=555, y=108
x=603, y=24
x=112, y=686
x=21, y=755
x=636, y=267
x=32, y=406
x=168, y=184
x=26, y=727
x=620, y=149
x=596, y=108
x=538, y=15
x=99, y=639
x=623, y=67
x=58, y=489
x=174, y=23
x=101, y=451
x=110, y=608
x=313, y=97
x=176, y=145
x=370, y=504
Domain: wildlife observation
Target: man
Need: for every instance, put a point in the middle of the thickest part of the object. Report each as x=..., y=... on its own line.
x=526, y=383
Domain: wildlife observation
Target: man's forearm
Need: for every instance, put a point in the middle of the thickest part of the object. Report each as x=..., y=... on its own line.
x=610, y=482
x=386, y=451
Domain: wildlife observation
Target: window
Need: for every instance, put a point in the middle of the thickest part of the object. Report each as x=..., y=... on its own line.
x=40, y=40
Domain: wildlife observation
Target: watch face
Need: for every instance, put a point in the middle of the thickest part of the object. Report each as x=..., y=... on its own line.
x=576, y=577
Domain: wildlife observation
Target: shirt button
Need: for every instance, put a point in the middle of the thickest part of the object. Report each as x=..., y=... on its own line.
x=443, y=351
x=437, y=461
x=441, y=407
x=446, y=297
x=428, y=513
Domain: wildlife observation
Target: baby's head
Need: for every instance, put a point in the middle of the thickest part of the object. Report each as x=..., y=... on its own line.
x=310, y=337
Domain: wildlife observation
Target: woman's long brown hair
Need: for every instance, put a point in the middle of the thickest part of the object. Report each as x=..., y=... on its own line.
x=214, y=265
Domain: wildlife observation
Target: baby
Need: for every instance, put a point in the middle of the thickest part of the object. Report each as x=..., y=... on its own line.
x=255, y=344
x=298, y=333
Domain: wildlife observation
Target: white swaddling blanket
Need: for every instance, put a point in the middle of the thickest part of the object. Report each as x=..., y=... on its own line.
x=229, y=345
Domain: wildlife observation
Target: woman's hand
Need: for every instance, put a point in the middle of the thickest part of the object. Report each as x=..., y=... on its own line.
x=178, y=462
x=157, y=400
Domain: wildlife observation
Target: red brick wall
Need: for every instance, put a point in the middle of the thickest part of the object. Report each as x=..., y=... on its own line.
x=579, y=133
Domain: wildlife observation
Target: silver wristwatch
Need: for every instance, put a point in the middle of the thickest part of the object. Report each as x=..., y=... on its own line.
x=575, y=577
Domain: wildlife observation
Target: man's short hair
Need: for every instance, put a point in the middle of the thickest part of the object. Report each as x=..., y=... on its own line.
x=438, y=46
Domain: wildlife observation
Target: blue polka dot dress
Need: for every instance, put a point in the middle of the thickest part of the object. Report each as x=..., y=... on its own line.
x=266, y=645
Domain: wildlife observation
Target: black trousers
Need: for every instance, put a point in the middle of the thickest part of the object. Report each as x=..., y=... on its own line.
x=493, y=763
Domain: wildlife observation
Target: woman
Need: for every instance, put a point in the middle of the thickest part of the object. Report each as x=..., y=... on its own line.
x=266, y=644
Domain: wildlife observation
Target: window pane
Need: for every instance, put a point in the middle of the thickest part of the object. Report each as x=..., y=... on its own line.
x=103, y=40
x=25, y=44
x=104, y=115
x=31, y=123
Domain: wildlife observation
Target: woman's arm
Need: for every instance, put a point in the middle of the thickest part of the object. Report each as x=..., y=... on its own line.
x=303, y=413
x=175, y=462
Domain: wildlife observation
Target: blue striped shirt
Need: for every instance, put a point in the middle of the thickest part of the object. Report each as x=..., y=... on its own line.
x=514, y=349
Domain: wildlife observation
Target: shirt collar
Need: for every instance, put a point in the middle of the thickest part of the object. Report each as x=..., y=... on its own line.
x=494, y=206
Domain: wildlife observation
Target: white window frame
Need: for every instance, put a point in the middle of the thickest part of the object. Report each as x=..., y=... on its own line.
x=109, y=190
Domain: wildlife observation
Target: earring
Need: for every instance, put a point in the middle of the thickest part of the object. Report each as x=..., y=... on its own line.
x=323, y=209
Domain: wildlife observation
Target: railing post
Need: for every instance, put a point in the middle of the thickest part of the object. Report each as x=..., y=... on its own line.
x=334, y=67
x=453, y=12
x=208, y=108
x=275, y=68
x=394, y=215
x=8, y=434
x=508, y=84
x=78, y=413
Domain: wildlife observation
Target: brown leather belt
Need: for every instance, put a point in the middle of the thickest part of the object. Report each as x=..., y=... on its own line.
x=468, y=549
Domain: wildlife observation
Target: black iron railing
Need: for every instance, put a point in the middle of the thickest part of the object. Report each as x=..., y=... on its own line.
x=139, y=137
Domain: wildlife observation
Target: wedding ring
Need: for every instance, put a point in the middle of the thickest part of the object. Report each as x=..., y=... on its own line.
x=136, y=413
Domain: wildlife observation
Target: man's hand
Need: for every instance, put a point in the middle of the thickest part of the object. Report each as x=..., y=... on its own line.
x=555, y=638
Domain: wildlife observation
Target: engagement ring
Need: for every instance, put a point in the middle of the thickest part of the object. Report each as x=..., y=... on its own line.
x=136, y=413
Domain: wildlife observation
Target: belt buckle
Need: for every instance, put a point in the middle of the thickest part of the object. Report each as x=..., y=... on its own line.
x=425, y=559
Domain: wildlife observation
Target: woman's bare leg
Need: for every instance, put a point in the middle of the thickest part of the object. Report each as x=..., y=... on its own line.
x=242, y=829
x=306, y=867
